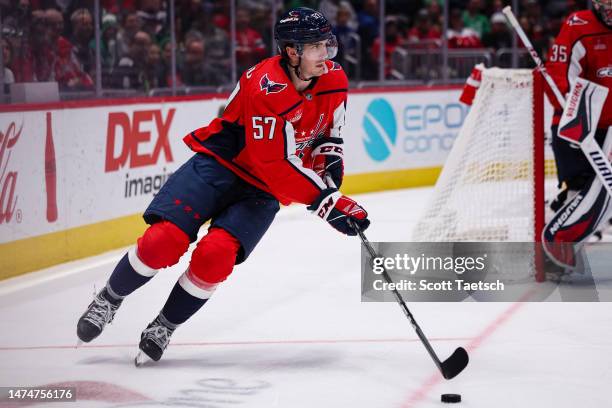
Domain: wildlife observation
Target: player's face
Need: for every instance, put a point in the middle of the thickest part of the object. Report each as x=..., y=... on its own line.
x=313, y=59
x=315, y=55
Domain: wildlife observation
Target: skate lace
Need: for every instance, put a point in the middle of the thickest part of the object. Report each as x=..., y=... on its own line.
x=101, y=312
x=159, y=334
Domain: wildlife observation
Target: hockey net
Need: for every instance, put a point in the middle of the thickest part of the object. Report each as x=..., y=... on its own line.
x=500, y=171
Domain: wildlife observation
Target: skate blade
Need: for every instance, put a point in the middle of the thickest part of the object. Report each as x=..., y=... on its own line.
x=141, y=358
x=79, y=343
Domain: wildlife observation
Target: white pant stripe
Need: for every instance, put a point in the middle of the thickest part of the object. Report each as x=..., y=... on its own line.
x=138, y=265
x=193, y=289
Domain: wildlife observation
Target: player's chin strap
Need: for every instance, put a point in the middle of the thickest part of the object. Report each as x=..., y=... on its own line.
x=296, y=69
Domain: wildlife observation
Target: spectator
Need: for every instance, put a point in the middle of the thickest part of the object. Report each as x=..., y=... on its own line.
x=250, y=47
x=66, y=70
x=30, y=63
x=153, y=19
x=82, y=33
x=166, y=66
x=435, y=16
x=423, y=32
x=109, y=47
x=153, y=69
x=131, y=25
x=474, y=19
x=217, y=40
x=535, y=34
x=345, y=35
x=497, y=6
x=538, y=23
x=368, y=31
x=129, y=74
x=329, y=8
x=575, y=5
x=262, y=23
x=460, y=36
x=195, y=71
x=7, y=54
x=55, y=26
x=16, y=17
x=392, y=40
x=368, y=21
x=500, y=35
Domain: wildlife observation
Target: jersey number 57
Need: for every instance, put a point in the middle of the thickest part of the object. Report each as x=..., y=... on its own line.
x=260, y=123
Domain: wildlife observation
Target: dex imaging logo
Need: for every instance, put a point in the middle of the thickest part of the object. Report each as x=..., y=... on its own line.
x=380, y=129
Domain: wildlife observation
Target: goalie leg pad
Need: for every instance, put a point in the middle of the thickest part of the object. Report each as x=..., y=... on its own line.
x=575, y=222
x=571, y=163
x=162, y=245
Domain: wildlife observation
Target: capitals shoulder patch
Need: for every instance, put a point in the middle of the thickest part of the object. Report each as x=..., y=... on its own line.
x=575, y=20
x=270, y=86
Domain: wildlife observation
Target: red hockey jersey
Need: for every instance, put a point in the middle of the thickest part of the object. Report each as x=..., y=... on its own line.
x=267, y=129
x=583, y=49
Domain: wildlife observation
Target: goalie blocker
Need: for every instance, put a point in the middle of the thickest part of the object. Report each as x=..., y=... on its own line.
x=579, y=217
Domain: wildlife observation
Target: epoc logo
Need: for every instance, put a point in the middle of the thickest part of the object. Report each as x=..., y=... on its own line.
x=380, y=129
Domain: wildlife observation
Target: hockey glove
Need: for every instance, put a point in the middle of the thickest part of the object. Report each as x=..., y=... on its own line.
x=337, y=209
x=328, y=159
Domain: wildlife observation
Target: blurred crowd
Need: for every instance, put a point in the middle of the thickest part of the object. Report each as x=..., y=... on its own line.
x=53, y=40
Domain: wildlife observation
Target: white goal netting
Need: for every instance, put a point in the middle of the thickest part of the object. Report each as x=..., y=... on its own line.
x=487, y=188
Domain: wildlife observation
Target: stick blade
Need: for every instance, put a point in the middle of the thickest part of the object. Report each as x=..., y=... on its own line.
x=455, y=363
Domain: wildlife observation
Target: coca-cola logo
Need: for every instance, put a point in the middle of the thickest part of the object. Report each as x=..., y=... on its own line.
x=8, y=179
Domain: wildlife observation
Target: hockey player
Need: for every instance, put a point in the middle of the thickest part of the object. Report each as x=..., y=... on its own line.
x=278, y=140
x=583, y=49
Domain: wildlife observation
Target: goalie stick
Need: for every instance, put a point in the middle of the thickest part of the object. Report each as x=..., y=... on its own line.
x=450, y=367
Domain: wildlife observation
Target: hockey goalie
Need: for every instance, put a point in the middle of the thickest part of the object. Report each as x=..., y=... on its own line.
x=580, y=63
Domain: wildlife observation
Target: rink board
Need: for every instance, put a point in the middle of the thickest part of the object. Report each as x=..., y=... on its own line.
x=76, y=176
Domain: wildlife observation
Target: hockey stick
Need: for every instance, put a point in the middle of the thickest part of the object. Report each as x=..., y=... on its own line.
x=534, y=55
x=449, y=367
x=588, y=145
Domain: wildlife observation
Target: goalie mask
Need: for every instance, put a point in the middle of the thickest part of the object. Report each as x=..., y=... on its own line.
x=603, y=10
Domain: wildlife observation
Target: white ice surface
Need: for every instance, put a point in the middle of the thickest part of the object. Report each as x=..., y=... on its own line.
x=288, y=330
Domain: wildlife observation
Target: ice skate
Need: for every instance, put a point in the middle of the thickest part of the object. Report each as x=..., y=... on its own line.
x=153, y=341
x=99, y=313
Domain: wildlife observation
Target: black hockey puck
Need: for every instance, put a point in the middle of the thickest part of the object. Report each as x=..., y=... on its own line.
x=451, y=398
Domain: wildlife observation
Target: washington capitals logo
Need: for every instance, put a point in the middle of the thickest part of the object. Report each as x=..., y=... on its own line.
x=270, y=86
x=575, y=20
